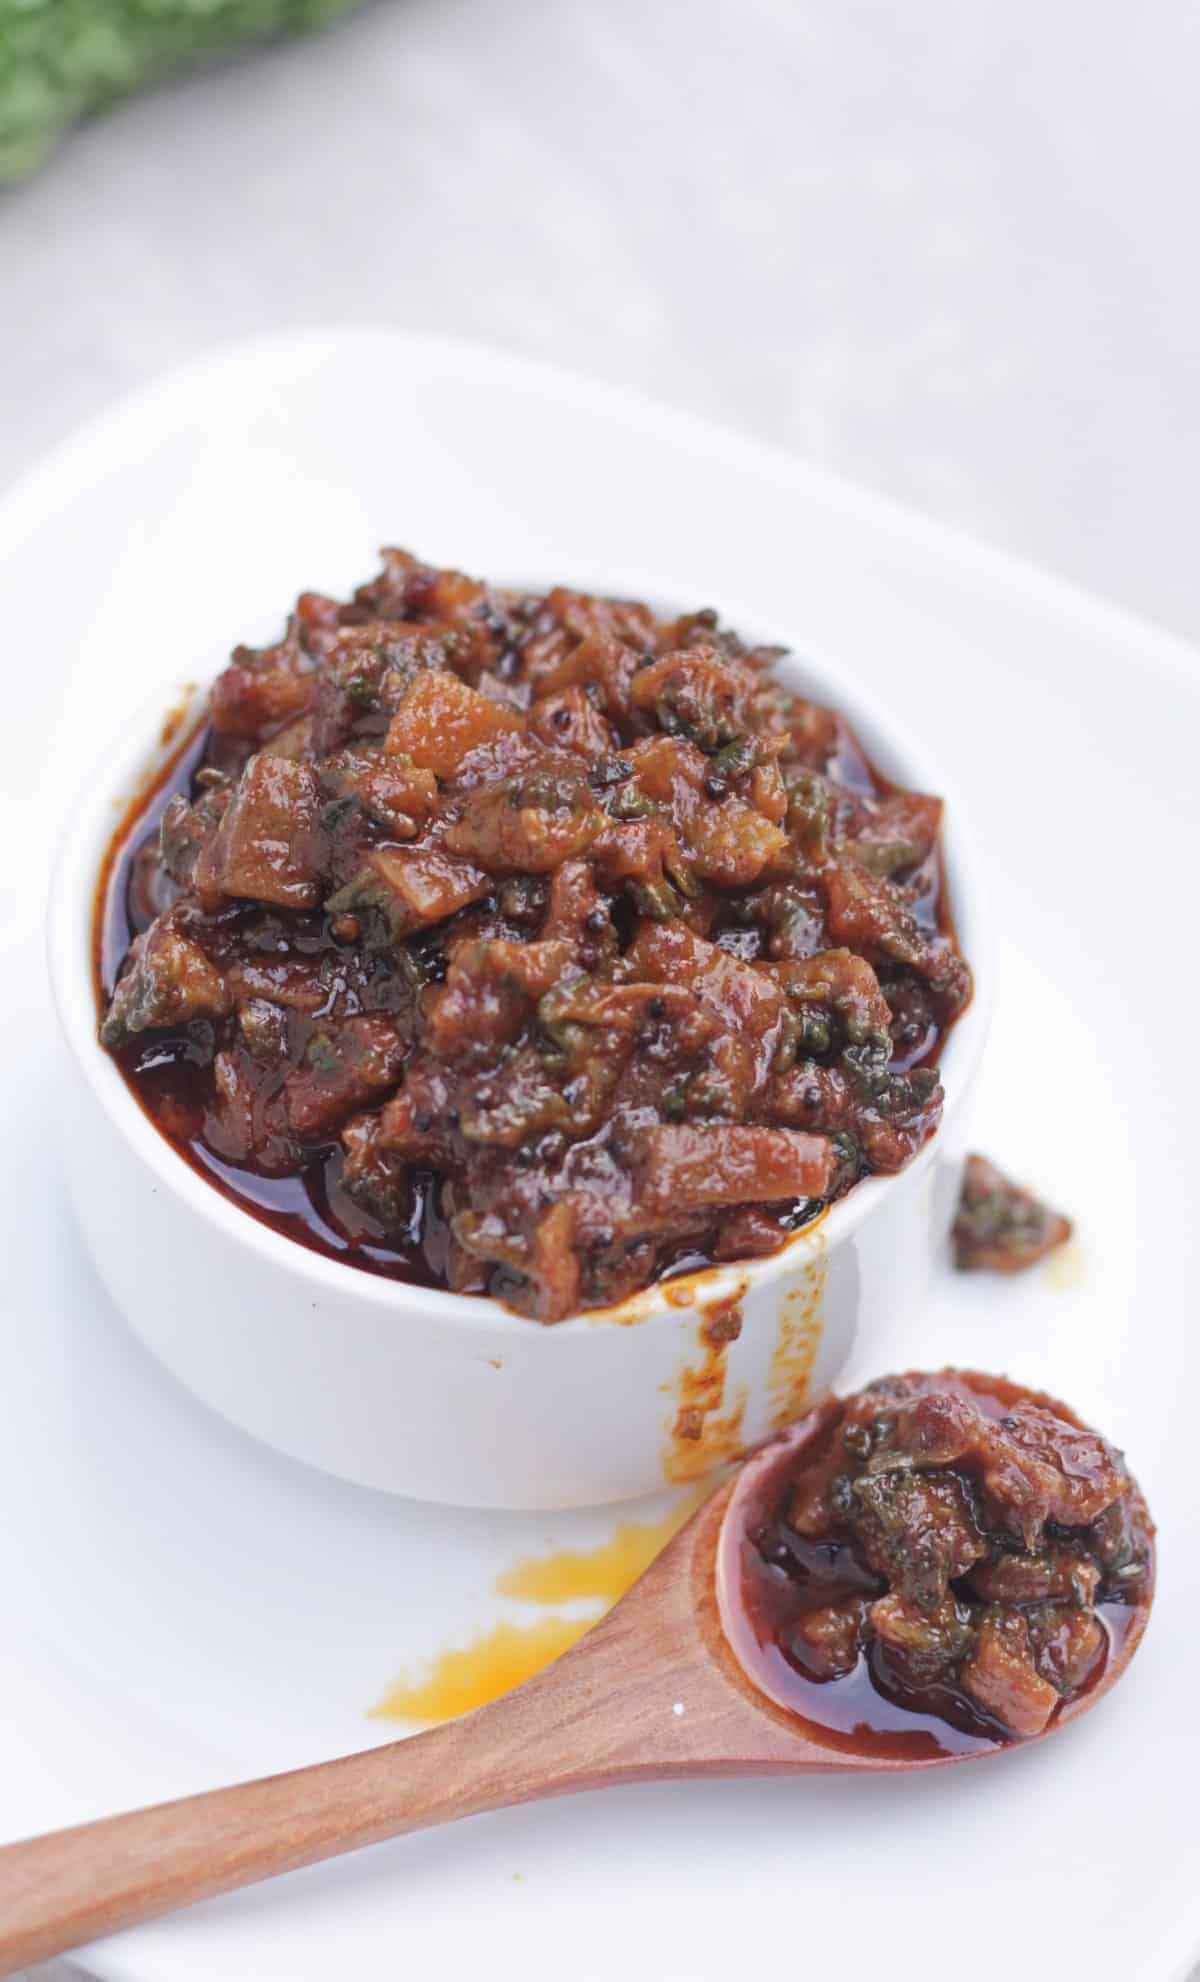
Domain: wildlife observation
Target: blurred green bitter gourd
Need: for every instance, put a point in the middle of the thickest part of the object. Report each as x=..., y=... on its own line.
x=60, y=59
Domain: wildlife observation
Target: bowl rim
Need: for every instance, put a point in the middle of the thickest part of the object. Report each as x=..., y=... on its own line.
x=139, y=751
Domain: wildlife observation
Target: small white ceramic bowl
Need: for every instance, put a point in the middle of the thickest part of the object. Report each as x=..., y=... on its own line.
x=452, y=1398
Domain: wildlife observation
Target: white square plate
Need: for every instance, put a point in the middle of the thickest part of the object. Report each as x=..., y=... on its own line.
x=183, y=1607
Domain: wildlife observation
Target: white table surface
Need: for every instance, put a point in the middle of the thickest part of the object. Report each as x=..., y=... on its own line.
x=946, y=251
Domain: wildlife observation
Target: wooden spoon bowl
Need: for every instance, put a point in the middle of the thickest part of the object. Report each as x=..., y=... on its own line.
x=653, y=1692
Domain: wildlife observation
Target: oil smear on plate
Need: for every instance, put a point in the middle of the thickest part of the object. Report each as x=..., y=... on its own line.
x=1066, y=1268
x=467, y=1676
x=705, y=1432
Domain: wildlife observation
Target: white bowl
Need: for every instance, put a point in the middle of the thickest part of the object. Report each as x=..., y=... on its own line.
x=453, y=1398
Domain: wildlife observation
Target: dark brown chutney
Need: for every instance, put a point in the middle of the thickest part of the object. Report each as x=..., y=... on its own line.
x=951, y=1560
x=527, y=944
x=1001, y=1227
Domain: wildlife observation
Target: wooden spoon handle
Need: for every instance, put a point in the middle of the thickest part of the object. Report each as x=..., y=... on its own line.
x=649, y=1692
x=75, y=1885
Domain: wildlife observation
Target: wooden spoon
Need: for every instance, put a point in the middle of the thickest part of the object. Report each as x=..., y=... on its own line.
x=652, y=1692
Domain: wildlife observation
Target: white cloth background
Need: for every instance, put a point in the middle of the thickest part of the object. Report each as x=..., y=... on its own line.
x=948, y=250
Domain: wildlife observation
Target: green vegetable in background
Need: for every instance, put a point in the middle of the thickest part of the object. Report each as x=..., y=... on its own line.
x=61, y=58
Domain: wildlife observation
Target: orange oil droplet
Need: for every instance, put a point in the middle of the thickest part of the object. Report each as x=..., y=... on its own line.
x=600, y=1574
x=471, y=1675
